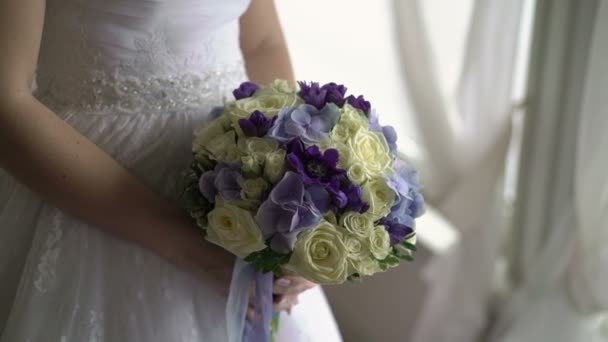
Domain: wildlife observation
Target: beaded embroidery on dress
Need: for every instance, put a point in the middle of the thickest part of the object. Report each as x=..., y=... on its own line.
x=135, y=77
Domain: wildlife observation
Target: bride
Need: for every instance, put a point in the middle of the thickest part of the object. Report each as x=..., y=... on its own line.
x=93, y=245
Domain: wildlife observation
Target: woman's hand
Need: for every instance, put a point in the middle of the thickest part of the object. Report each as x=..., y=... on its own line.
x=285, y=293
x=188, y=249
x=287, y=289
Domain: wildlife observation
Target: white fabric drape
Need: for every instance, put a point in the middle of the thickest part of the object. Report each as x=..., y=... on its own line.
x=565, y=298
x=466, y=138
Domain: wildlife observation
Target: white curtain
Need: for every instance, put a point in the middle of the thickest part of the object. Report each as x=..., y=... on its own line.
x=564, y=296
x=465, y=136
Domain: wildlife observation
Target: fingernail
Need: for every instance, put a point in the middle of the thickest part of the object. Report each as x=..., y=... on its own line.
x=283, y=282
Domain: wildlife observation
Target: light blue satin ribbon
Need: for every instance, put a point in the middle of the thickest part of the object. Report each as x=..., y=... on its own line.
x=239, y=329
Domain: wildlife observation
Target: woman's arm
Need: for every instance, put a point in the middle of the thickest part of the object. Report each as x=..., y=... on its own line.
x=263, y=45
x=64, y=167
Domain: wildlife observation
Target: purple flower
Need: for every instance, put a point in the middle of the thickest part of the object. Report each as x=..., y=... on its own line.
x=359, y=103
x=397, y=231
x=246, y=89
x=304, y=122
x=318, y=168
x=335, y=93
x=374, y=122
x=313, y=166
x=391, y=138
x=354, y=197
x=312, y=94
x=388, y=131
x=339, y=199
x=225, y=180
x=289, y=210
x=257, y=125
x=206, y=185
x=409, y=203
x=317, y=96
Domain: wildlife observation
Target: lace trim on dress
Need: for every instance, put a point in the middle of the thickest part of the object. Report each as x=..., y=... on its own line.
x=46, y=271
x=155, y=80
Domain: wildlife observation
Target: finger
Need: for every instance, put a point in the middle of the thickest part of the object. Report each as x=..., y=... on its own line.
x=296, y=285
x=250, y=313
x=282, y=285
x=286, y=304
x=277, y=298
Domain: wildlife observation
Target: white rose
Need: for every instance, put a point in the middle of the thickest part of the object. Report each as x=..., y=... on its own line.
x=205, y=133
x=234, y=229
x=320, y=255
x=267, y=103
x=277, y=86
x=250, y=166
x=367, y=266
x=274, y=166
x=356, y=174
x=379, y=196
x=371, y=151
x=353, y=118
x=252, y=189
x=357, y=251
x=356, y=224
x=258, y=147
x=380, y=243
x=340, y=133
x=223, y=147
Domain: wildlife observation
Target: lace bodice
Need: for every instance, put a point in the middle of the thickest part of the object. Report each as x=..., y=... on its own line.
x=130, y=56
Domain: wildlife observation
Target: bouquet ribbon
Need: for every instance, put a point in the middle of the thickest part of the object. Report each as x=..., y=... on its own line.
x=240, y=329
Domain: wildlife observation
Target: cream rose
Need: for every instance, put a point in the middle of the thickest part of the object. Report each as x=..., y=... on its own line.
x=351, y=120
x=357, y=251
x=371, y=151
x=340, y=133
x=258, y=147
x=223, y=147
x=268, y=103
x=251, y=166
x=320, y=255
x=205, y=133
x=356, y=224
x=252, y=189
x=277, y=86
x=367, y=266
x=356, y=174
x=234, y=229
x=379, y=196
x=380, y=243
x=274, y=165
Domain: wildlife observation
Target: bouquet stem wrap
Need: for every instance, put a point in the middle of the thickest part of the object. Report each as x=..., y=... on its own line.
x=239, y=329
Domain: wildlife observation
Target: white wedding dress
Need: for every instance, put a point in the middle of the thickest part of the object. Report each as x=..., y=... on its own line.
x=135, y=77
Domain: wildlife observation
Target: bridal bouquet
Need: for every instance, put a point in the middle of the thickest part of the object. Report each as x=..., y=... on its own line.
x=306, y=180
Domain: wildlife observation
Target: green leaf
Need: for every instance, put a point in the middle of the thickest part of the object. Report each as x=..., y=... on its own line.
x=274, y=327
x=406, y=257
x=268, y=260
x=409, y=246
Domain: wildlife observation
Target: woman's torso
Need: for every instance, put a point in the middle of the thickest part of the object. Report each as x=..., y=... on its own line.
x=137, y=56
